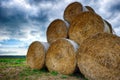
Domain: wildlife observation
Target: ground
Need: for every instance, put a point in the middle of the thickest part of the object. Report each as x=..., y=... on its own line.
x=16, y=69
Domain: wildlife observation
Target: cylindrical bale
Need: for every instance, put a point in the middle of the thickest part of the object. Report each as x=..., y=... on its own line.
x=84, y=25
x=98, y=57
x=36, y=54
x=108, y=27
x=72, y=10
x=90, y=8
x=56, y=30
x=61, y=56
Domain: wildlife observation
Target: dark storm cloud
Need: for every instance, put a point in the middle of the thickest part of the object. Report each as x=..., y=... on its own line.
x=42, y=17
x=20, y=21
x=11, y=18
x=15, y=17
x=11, y=15
x=115, y=7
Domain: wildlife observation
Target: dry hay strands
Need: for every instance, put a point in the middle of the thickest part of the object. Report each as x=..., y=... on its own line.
x=98, y=57
x=72, y=10
x=61, y=56
x=36, y=54
x=84, y=25
x=108, y=27
x=90, y=9
x=56, y=30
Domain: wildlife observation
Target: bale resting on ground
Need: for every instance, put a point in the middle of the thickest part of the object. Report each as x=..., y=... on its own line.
x=61, y=56
x=98, y=57
x=36, y=54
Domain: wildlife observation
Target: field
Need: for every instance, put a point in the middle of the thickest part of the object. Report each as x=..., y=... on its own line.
x=16, y=69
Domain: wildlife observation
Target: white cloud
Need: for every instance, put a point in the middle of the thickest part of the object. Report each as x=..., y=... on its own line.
x=115, y=20
x=13, y=51
x=117, y=30
x=4, y=34
x=4, y=38
x=30, y=33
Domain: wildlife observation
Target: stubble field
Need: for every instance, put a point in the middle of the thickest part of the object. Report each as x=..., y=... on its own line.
x=16, y=69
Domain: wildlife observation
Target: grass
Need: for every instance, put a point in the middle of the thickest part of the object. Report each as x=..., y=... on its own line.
x=16, y=69
x=54, y=73
x=64, y=76
x=12, y=62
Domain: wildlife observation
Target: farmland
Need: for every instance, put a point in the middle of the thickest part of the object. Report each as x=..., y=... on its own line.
x=15, y=68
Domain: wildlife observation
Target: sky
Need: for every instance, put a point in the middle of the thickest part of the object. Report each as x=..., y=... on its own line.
x=25, y=21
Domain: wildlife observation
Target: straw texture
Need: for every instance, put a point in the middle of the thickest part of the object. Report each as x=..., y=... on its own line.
x=36, y=55
x=61, y=57
x=98, y=57
x=84, y=25
x=56, y=30
x=90, y=8
x=72, y=10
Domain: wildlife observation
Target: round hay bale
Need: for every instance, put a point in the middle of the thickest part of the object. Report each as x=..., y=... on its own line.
x=61, y=56
x=56, y=30
x=84, y=25
x=72, y=10
x=36, y=54
x=108, y=27
x=98, y=57
x=90, y=8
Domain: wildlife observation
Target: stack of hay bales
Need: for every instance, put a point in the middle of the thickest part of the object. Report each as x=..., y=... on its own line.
x=88, y=36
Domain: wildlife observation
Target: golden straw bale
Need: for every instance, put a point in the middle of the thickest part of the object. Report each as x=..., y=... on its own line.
x=57, y=29
x=61, y=56
x=36, y=54
x=98, y=57
x=90, y=8
x=84, y=25
x=72, y=10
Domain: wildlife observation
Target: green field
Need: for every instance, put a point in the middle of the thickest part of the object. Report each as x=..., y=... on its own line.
x=16, y=69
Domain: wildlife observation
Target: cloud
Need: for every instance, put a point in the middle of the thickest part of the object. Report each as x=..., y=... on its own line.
x=13, y=51
x=17, y=16
x=25, y=21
